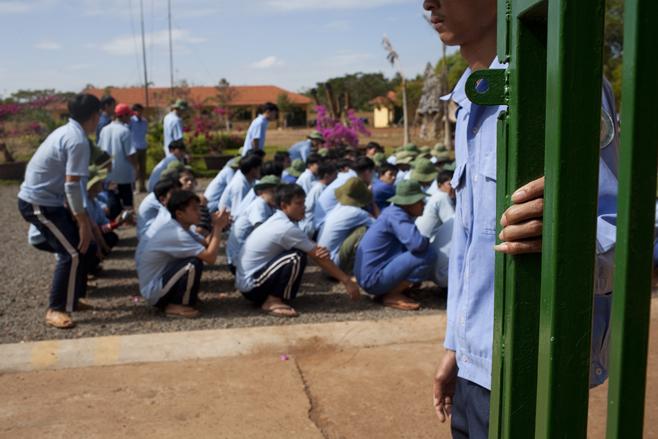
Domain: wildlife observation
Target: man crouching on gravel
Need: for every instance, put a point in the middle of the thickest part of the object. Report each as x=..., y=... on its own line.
x=272, y=260
x=169, y=264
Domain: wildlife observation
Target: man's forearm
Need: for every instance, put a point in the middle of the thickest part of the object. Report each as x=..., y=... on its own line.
x=331, y=269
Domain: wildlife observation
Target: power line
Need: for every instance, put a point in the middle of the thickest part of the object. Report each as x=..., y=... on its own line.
x=171, y=52
x=146, y=80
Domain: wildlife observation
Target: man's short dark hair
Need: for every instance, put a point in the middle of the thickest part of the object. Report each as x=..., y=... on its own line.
x=249, y=162
x=374, y=145
x=164, y=186
x=313, y=158
x=108, y=101
x=83, y=107
x=180, y=200
x=286, y=193
x=271, y=168
x=138, y=107
x=344, y=163
x=269, y=106
x=364, y=164
x=281, y=156
x=387, y=167
x=444, y=176
x=325, y=169
x=177, y=144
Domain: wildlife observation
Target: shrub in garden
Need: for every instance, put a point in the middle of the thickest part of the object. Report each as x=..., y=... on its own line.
x=337, y=132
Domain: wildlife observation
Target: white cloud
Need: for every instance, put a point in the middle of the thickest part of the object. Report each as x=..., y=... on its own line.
x=267, y=63
x=298, y=5
x=126, y=45
x=47, y=45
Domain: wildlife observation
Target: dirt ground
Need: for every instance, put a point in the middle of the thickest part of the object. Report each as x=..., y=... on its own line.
x=318, y=392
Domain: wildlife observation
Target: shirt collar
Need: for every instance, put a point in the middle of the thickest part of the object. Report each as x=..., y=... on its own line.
x=77, y=125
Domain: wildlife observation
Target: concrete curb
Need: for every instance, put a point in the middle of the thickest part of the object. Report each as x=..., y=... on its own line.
x=221, y=343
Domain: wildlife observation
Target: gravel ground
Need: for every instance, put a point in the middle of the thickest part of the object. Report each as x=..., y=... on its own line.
x=25, y=274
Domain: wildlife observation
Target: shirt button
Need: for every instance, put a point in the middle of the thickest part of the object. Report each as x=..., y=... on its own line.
x=476, y=129
x=464, y=359
x=475, y=178
x=598, y=371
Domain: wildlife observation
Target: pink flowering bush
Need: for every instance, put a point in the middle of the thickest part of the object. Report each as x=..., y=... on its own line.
x=337, y=133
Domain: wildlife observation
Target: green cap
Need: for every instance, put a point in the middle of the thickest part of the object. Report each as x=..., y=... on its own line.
x=297, y=167
x=425, y=150
x=181, y=104
x=408, y=192
x=267, y=182
x=440, y=147
x=410, y=147
x=424, y=171
x=323, y=152
x=175, y=167
x=354, y=193
x=379, y=159
x=452, y=166
x=316, y=135
x=96, y=174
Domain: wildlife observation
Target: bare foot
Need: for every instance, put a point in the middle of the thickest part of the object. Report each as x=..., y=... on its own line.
x=400, y=301
x=173, y=310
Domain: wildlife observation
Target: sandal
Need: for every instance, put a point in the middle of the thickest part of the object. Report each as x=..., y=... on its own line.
x=59, y=319
x=281, y=310
x=187, y=312
x=401, y=302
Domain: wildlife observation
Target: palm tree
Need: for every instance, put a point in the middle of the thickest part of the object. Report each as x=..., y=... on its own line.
x=393, y=58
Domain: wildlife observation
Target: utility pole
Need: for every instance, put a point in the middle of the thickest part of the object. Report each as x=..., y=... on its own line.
x=171, y=53
x=146, y=80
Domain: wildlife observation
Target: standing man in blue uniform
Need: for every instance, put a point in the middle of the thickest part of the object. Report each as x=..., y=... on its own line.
x=138, y=129
x=52, y=199
x=172, y=124
x=255, y=139
x=107, y=112
x=463, y=380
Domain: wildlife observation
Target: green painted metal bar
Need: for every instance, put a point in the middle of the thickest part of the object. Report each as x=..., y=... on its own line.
x=520, y=159
x=635, y=222
x=574, y=76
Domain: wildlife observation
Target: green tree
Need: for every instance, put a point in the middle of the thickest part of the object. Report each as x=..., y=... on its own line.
x=614, y=43
x=456, y=67
x=360, y=87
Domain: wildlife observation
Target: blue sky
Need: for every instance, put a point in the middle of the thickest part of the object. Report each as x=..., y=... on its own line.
x=66, y=44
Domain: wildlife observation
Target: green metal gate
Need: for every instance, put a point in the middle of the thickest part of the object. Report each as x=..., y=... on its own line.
x=552, y=87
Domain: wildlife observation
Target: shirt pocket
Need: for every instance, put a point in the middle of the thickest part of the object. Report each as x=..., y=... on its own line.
x=486, y=194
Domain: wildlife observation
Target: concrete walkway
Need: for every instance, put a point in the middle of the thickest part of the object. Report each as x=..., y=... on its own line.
x=347, y=380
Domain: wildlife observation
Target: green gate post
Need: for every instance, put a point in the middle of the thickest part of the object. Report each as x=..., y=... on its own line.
x=520, y=156
x=635, y=222
x=574, y=79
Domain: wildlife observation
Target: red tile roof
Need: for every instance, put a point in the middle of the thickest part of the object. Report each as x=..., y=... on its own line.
x=245, y=96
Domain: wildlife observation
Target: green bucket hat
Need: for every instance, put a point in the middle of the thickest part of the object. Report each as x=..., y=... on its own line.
x=408, y=192
x=452, y=166
x=424, y=171
x=267, y=182
x=323, y=152
x=297, y=167
x=175, y=167
x=316, y=135
x=354, y=193
x=411, y=147
x=404, y=158
x=96, y=174
x=425, y=150
x=181, y=104
x=379, y=159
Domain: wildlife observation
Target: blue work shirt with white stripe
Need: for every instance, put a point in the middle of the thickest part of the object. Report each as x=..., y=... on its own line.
x=471, y=273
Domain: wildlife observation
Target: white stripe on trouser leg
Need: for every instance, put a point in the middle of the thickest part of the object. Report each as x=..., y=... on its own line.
x=267, y=273
x=75, y=256
x=296, y=262
x=175, y=278
x=191, y=274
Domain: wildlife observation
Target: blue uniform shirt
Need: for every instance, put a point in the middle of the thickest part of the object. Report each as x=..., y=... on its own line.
x=158, y=170
x=64, y=152
x=301, y=150
x=172, y=126
x=217, y=187
x=471, y=273
x=256, y=213
x=381, y=192
x=393, y=233
x=235, y=192
x=306, y=180
x=340, y=222
x=103, y=121
x=117, y=142
x=148, y=210
x=327, y=199
x=138, y=129
x=257, y=130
